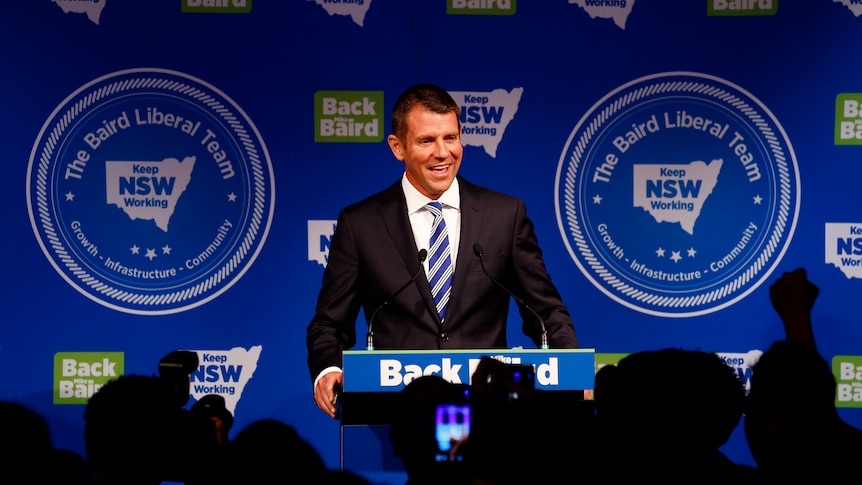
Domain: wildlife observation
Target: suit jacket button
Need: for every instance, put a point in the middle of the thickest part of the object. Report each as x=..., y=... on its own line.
x=444, y=337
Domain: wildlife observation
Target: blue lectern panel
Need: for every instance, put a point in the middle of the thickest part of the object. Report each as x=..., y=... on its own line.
x=388, y=371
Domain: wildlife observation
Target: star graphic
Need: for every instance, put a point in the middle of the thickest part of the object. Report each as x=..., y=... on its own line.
x=757, y=199
x=151, y=253
x=675, y=256
x=659, y=252
x=70, y=196
x=135, y=249
x=231, y=197
x=166, y=249
x=691, y=252
x=597, y=199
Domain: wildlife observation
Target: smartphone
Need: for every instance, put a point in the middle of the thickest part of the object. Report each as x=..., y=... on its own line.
x=451, y=428
x=523, y=380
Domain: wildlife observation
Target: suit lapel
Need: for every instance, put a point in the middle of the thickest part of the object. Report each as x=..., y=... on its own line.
x=393, y=212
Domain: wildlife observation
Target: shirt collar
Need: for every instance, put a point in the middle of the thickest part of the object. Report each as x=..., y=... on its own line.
x=417, y=201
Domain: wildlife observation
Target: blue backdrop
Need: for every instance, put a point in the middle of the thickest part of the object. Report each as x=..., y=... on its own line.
x=214, y=239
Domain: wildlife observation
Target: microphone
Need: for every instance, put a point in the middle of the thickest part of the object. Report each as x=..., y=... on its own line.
x=477, y=249
x=369, y=339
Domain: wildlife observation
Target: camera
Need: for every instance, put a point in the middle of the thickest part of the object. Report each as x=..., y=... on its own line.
x=175, y=369
x=190, y=438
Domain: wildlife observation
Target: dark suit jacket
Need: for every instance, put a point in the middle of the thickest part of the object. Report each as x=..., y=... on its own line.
x=373, y=254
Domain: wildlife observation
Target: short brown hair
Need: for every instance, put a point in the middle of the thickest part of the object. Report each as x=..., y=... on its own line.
x=429, y=96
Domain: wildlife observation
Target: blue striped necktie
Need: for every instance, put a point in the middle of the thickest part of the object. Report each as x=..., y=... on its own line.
x=440, y=260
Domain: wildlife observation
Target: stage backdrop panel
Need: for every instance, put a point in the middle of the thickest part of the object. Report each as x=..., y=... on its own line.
x=174, y=171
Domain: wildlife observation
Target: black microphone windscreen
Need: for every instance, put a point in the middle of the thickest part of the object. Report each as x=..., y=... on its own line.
x=423, y=253
x=477, y=250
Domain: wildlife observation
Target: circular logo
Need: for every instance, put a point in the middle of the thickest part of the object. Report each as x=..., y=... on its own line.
x=677, y=194
x=150, y=191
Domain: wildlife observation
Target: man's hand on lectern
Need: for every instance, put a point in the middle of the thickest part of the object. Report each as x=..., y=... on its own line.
x=325, y=393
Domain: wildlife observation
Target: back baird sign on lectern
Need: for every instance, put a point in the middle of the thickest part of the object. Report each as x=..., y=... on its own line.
x=374, y=378
x=389, y=371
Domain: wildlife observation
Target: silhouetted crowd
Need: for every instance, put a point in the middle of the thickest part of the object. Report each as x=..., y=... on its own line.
x=656, y=415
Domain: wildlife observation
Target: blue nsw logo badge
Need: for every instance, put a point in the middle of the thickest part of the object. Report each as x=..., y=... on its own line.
x=677, y=194
x=150, y=191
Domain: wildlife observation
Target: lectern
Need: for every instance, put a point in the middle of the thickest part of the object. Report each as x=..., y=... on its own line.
x=373, y=380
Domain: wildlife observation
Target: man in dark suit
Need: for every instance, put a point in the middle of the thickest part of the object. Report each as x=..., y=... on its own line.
x=380, y=244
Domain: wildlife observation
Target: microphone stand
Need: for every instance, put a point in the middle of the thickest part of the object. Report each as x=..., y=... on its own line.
x=369, y=338
x=477, y=249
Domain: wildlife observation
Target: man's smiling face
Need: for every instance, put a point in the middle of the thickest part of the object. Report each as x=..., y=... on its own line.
x=431, y=150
